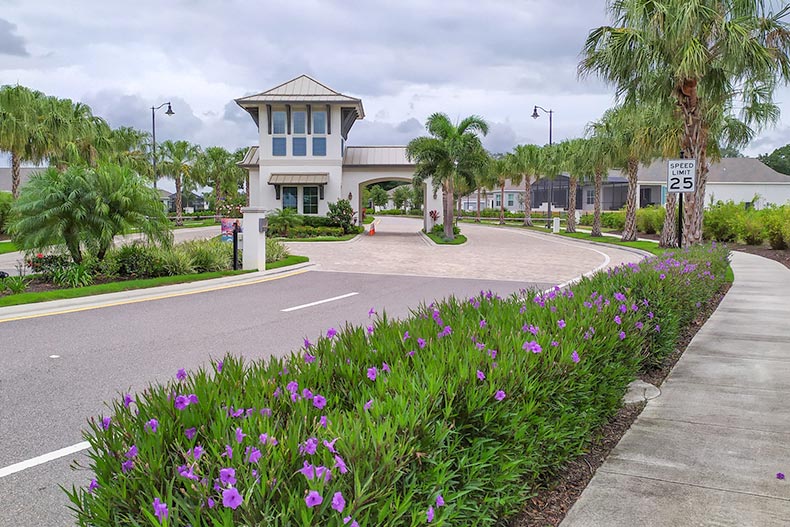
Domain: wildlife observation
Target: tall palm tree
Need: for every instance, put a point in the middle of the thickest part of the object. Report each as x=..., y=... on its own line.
x=500, y=169
x=77, y=136
x=216, y=167
x=707, y=56
x=578, y=164
x=21, y=133
x=129, y=147
x=550, y=163
x=526, y=161
x=178, y=160
x=599, y=152
x=450, y=152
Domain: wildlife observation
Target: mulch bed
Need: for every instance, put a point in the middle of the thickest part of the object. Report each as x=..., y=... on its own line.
x=553, y=501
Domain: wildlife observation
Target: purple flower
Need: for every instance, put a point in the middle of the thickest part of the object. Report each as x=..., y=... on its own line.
x=181, y=402
x=658, y=328
x=662, y=276
x=231, y=498
x=639, y=325
x=309, y=359
x=561, y=323
x=406, y=335
x=340, y=464
x=371, y=312
x=330, y=333
x=429, y=514
x=127, y=400
x=439, y=501
x=411, y=353
x=193, y=399
x=620, y=297
x=370, y=330
x=93, y=485
x=228, y=452
x=313, y=498
x=190, y=433
x=575, y=357
x=132, y=452
x=338, y=503
x=307, y=343
x=499, y=395
x=779, y=475
x=385, y=367
x=330, y=445
x=219, y=366
x=227, y=476
x=323, y=472
x=617, y=320
x=623, y=308
x=210, y=503
x=292, y=387
x=372, y=372
x=481, y=375
x=554, y=343
x=622, y=335
x=197, y=452
x=532, y=346
x=240, y=435
x=105, y=423
x=650, y=315
x=181, y=374
x=307, y=470
x=319, y=401
x=308, y=447
x=255, y=455
x=323, y=421
x=483, y=324
x=152, y=425
x=492, y=353
x=187, y=472
x=421, y=343
x=160, y=510
x=126, y=466
x=445, y=332
x=368, y=404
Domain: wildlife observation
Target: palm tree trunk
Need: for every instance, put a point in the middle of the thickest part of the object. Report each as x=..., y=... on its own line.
x=528, y=201
x=669, y=230
x=629, y=231
x=479, y=191
x=448, y=213
x=72, y=239
x=179, y=211
x=596, y=226
x=694, y=141
x=693, y=233
x=15, y=176
x=570, y=225
x=502, y=204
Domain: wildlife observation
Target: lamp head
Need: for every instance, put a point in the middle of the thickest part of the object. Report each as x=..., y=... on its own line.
x=535, y=113
x=169, y=110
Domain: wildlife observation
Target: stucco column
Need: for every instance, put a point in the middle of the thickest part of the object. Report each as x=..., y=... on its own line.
x=254, y=241
x=432, y=203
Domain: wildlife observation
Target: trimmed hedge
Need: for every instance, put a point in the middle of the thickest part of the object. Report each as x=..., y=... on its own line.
x=457, y=412
x=313, y=232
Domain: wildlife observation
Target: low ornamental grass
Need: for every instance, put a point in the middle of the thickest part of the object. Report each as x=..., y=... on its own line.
x=452, y=417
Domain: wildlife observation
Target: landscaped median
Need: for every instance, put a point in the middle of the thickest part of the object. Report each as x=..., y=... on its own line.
x=452, y=417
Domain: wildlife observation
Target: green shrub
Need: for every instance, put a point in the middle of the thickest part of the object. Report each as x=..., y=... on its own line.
x=174, y=261
x=135, y=260
x=48, y=264
x=586, y=219
x=650, y=220
x=313, y=232
x=439, y=229
x=613, y=220
x=777, y=226
x=208, y=255
x=73, y=276
x=464, y=401
x=275, y=251
x=751, y=229
x=316, y=221
x=14, y=284
x=720, y=221
x=341, y=214
x=6, y=199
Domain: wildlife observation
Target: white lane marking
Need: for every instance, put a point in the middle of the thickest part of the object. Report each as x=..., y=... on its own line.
x=311, y=304
x=45, y=458
x=54, y=356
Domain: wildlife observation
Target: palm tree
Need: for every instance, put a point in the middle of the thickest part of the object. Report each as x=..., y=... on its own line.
x=129, y=147
x=21, y=133
x=500, y=169
x=599, y=152
x=707, y=56
x=578, y=164
x=76, y=135
x=216, y=167
x=550, y=162
x=238, y=156
x=451, y=151
x=178, y=159
x=526, y=160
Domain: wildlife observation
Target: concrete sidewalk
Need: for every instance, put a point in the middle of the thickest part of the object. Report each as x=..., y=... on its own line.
x=707, y=451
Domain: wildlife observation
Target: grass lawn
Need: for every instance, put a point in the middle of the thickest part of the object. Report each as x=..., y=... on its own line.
x=643, y=245
x=368, y=220
x=128, y=285
x=7, y=247
x=439, y=239
x=189, y=224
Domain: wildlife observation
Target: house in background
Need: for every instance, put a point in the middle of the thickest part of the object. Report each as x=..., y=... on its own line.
x=24, y=175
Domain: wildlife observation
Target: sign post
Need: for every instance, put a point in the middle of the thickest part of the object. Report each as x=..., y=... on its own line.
x=681, y=179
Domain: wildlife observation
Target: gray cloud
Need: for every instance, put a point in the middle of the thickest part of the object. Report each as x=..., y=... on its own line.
x=10, y=42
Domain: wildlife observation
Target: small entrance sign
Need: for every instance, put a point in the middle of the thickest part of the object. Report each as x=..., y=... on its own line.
x=682, y=175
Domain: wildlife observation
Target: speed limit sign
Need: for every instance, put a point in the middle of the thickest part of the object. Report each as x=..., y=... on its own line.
x=682, y=175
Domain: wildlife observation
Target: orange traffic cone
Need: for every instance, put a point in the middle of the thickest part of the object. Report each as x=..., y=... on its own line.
x=372, y=230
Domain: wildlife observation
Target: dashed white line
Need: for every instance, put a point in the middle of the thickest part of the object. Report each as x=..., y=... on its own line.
x=317, y=302
x=44, y=458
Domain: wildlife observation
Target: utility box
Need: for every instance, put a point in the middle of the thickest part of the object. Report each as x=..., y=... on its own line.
x=555, y=225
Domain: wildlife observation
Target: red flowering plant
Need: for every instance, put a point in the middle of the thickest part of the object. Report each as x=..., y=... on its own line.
x=47, y=264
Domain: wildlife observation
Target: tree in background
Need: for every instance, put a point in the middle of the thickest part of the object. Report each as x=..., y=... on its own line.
x=779, y=159
x=21, y=131
x=707, y=56
x=85, y=207
x=379, y=196
x=215, y=167
x=130, y=147
x=526, y=160
x=178, y=159
x=450, y=152
x=401, y=197
x=579, y=166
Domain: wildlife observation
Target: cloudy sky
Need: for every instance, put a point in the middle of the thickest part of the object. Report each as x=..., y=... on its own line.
x=405, y=59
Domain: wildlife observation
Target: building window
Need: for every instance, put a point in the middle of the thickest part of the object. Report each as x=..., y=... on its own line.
x=590, y=196
x=310, y=200
x=299, y=123
x=510, y=201
x=278, y=119
x=300, y=146
x=319, y=123
x=498, y=200
x=278, y=146
x=290, y=198
x=319, y=146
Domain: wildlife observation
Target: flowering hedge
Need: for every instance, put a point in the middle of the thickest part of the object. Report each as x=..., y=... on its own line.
x=449, y=417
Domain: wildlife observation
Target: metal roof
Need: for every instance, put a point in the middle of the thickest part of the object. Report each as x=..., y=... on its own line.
x=302, y=89
x=298, y=179
x=376, y=156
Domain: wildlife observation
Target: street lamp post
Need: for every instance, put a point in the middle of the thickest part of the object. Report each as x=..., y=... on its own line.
x=153, y=133
x=535, y=115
